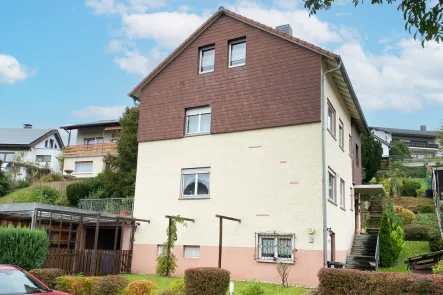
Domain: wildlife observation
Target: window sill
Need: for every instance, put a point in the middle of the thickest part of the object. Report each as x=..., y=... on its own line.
x=344, y=209
x=197, y=134
x=275, y=262
x=82, y=173
x=332, y=202
x=191, y=257
x=332, y=134
x=236, y=66
x=206, y=72
x=342, y=149
x=194, y=198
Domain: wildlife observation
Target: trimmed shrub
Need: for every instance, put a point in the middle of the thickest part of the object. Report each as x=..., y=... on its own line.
x=142, y=287
x=23, y=247
x=426, y=209
x=253, y=289
x=111, y=285
x=354, y=282
x=391, y=237
x=406, y=215
x=82, y=189
x=48, y=275
x=77, y=285
x=435, y=240
x=416, y=232
x=438, y=268
x=52, y=177
x=44, y=194
x=410, y=188
x=206, y=280
x=167, y=292
x=178, y=287
x=21, y=184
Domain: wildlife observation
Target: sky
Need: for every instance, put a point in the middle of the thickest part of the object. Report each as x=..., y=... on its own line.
x=72, y=61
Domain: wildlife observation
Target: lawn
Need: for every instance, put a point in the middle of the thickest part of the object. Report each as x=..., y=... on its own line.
x=427, y=219
x=40, y=194
x=18, y=196
x=410, y=248
x=270, y=289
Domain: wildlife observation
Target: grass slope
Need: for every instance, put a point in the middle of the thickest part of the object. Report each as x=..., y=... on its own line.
x=270, y=289
x=410, y=248
x=19, y=196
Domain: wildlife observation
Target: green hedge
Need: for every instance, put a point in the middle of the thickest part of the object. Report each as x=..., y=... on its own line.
x=354, y=282
x=82, y=189
x=414, y=172
x=207, y=281
x=23, y=247
x=416, y=232
x=410, y=188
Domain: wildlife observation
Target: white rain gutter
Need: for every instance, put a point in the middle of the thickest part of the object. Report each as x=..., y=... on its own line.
x=324, y=118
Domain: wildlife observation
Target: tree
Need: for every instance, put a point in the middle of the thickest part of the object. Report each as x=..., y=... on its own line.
x=394, y=174
x=371, y=153
x=5, y=184
x=118, y=179
x=420, y=15
x=399, y=149
x=440, y=138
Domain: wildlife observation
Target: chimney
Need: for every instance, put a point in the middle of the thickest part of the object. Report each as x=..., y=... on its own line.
x=285, y=29
x=27, y=126
x=423, y=128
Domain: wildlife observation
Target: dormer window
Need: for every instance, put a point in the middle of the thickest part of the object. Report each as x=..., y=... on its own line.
x=207, y=59
x=237, y=53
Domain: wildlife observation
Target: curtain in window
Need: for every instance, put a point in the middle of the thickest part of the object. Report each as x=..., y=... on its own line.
x=284, y=248
x=203, y=184
x=85, y=167
x=9, y=157
x=267, y=247
x=238, y=53
x=205, y=123
x=192, y=124
x=189, y=184
x=208, y=57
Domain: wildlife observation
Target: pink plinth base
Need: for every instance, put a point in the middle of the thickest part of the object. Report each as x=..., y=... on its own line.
x=239, y=261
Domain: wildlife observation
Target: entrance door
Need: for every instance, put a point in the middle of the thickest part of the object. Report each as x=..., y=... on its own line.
x=357, y=213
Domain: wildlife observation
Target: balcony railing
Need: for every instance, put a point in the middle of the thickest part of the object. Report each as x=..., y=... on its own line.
x=92, y=149
x=122, y=206
x=420, y=144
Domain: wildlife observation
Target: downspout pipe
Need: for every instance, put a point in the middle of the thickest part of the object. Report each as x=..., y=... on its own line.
x=324, y=128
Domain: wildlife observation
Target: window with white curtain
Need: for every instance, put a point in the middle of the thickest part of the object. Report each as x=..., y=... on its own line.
x=192, y=251
x=207, y=59
x=332, y=184
x=195, y=182
x=237, y=53
x=198, y=120
x=43, y=158
x=275, y=247
x=83, y=167
x=7, y=157
x=331, y=118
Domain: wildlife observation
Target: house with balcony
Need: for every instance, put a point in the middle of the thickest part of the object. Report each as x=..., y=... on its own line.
x=253, y=136
x=85, y=155
x=30, y=145
x=422, y=143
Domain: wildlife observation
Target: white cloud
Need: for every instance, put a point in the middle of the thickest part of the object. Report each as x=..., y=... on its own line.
x=287, y=4
x=343, y=14
x=169, y=29
x=383, y=41
x=11, y=70
x=99, y=113
x=127, y=6
x=135, y=62
x=405, y=82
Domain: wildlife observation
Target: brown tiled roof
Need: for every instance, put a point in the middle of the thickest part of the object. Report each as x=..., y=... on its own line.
x=221, y=11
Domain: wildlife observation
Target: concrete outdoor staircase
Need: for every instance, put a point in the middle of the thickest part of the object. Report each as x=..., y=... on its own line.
x=364, y=248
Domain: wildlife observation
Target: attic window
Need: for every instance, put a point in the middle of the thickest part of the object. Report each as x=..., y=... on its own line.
x=207, y=59
x=51, y=143
x=237, y=53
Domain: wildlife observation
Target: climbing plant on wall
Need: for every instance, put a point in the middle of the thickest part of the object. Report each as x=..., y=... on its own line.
x=167, y=261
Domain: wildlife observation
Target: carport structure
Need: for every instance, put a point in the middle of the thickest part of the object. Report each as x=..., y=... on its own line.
x=80, y=241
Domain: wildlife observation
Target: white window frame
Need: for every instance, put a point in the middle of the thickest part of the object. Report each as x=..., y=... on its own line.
x=276, y=237
x=195, y=172
x=159, y=250
x=3, y=156
x=234, y=42
x=332, y=187
x=341, y=134
x=352, y=199
x=203, y=49
x=82, y=162
x=194, y=250
x=199, y=111
x=331, y=119
x=342, y=194
x=36, y=157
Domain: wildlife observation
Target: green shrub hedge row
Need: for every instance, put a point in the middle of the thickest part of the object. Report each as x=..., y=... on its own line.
x=207, y=281
x=48, y=275
x=82, y=189
x=354, y=282
x=416, y=232
x=23, y=247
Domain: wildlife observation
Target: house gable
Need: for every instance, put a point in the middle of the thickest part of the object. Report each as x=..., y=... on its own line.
x=278, y=86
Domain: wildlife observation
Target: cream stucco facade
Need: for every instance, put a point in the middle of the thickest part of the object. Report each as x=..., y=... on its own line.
x=269, y=178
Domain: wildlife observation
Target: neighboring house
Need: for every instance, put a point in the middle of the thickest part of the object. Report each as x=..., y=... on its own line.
x=95, y=140
x=42, y=146
x=422, y=143
x=230, y=124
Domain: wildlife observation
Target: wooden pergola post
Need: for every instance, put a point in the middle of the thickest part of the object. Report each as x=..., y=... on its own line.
x=220, y=239
x=170, y=224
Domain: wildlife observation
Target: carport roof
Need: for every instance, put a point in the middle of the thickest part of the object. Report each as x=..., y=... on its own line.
x=369, y=189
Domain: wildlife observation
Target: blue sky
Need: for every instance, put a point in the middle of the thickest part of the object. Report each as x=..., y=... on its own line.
x=71, y=61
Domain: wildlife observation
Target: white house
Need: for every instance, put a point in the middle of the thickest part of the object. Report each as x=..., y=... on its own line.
x=248, y=122
x=42, y=146
x=84, y=157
